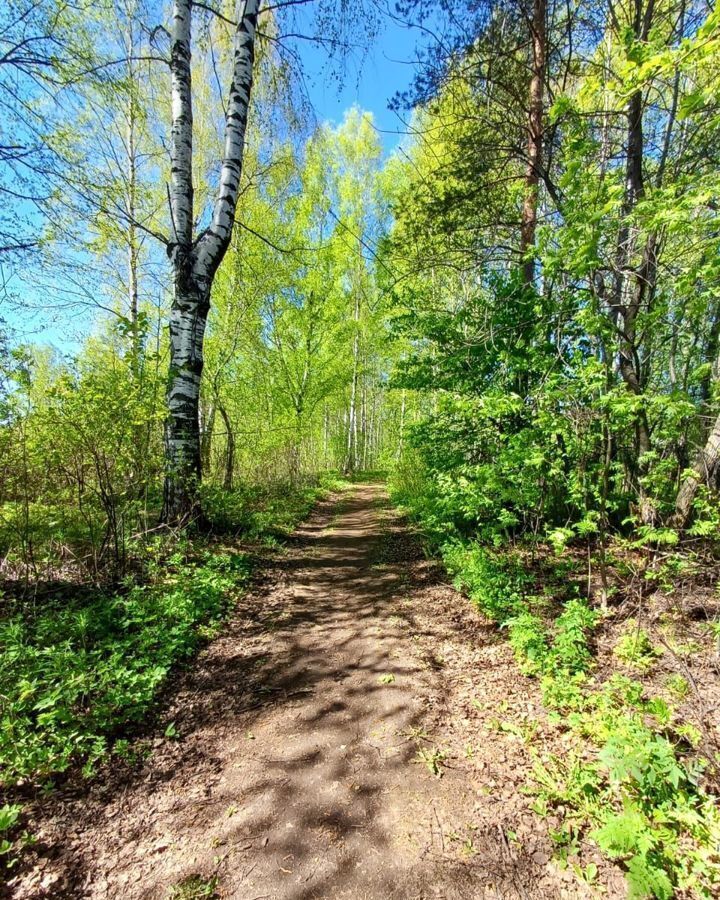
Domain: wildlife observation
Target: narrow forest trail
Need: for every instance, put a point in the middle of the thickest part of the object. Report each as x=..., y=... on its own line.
x=297, y=774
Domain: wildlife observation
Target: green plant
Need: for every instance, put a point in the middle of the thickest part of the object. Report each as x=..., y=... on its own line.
x=494, y=583
x=195, y=887
x=635, y=648
x=636, y=797
x=678, y=685
x=528, y=640
x=81, y=668
x=570, y=651
x=433, y=758
x=10, y=847
x=634, y=794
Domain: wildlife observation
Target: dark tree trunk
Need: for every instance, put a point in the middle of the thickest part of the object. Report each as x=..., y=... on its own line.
x=229, y=449
x=634, y=284
x=528, y=225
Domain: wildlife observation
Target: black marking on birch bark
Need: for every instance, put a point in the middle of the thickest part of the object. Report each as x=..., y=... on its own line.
x=195, y=262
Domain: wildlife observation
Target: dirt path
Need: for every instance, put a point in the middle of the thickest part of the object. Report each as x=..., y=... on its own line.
x=297, y=772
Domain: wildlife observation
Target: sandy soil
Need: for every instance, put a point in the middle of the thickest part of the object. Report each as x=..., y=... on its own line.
x=346, y=737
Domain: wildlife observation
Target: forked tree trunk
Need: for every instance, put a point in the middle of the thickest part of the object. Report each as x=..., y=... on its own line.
x=196, y=259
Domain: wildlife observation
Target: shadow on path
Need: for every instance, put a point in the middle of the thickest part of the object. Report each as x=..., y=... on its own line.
x=296, y=774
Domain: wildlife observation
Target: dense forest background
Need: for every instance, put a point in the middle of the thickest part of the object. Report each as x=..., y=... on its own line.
x=528, y=281
x=515, y=316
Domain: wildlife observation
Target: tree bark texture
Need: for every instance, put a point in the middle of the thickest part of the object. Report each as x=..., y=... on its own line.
x=703, y=470
x=528, y=227
x=634, y=282
x=196, y=259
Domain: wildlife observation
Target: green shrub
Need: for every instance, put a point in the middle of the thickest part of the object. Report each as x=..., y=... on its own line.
x=258, y=511
x=529, y=642
x=635, y=648
x=494, y=583
x=636, y=796
x=79, y=669
x=570, y=651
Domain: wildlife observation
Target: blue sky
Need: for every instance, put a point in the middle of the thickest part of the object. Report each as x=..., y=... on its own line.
x=370, y=81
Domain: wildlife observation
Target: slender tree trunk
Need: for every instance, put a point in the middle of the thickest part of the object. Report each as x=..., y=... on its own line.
x=371, y=443
x=363, y=425
x=132, y=236
x=229, y=449
x=351, y=461
x=207, y=427
x=295, y=450
x=195, y=260
x=634, y=285
x=632, y=288
x=707, y=462
x=703, y=470
x=713, y=361
x=326, y=430
x=528, y=225
x=138, y=476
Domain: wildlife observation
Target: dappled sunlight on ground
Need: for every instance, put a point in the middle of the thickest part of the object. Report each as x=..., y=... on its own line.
x=313, y=734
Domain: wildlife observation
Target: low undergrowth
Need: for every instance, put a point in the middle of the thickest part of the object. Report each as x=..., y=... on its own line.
x=266, y=512
x=632, y=784
x=47, y=542
x=77, y=669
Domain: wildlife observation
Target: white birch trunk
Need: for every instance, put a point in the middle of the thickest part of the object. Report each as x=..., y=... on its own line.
x=195, y=260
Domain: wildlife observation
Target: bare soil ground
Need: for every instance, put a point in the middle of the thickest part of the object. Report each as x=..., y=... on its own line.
x=356, y=732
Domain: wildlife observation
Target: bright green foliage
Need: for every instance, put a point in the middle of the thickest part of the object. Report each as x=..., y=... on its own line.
x=527, y=424
x=9, y=815
x=494, y=584
x=77, y=668
x=295, y=356
x=195, y=887
x=82, y=458
x=570, y=653
x=265, y=511
x=499, y=584
x=678, y=685
x=296, y=350
x=529, y=641
x=636, y=796
x=641, y=799
x=635, y=648
x=563, y=411
x=372, y=315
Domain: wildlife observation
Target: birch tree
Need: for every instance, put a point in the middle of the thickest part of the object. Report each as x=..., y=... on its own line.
x=196, y=257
